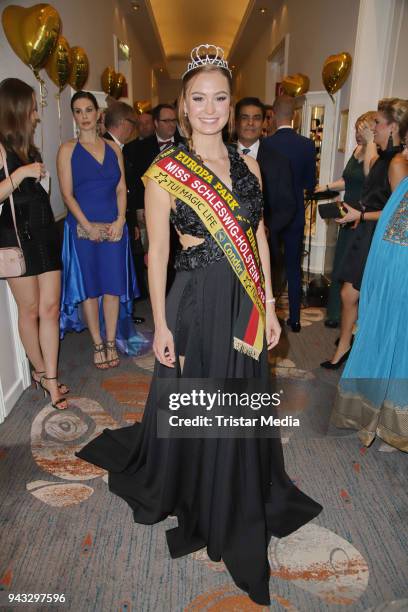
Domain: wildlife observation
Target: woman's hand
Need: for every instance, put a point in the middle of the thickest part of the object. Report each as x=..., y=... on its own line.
x=366, y=132
x=93, y=232
x=320, y=188
x=272, y=327
x=352, y=216
x=36, y=170
x=115, y=229
x=163, y=347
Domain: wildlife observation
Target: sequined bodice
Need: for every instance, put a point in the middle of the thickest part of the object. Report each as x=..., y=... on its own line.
x=246, y=189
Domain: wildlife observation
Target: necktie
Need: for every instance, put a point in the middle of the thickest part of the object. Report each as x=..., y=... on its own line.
x=164, y=143
x=245, y=151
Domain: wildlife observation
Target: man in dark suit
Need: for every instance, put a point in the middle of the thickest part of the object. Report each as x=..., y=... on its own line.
x=142, y=153
x=277, y=184
x=300, y=151
x=119, y=123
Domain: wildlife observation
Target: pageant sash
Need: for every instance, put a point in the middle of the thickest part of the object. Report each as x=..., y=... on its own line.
x=184, y=176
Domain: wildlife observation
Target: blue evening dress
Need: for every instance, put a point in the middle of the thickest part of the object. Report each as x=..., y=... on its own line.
x=92, y=269
x=373, y=390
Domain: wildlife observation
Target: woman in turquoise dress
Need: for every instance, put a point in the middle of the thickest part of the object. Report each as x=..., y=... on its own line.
x=99, y=282
x=373, y=390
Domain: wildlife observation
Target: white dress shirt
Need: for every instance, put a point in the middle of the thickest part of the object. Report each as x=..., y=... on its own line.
x=120, y=144
x=161, y=141
x=284, y=127
x=253, y=149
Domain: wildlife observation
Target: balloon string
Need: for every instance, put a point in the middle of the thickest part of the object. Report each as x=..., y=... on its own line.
x=58, y=97
x=43, y=102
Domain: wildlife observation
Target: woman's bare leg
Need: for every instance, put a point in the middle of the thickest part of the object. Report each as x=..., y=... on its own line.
x=50, y=291
x=349, y=311
x=111, y=313
x=26, y=293
x=91, y=310
x=49, y=309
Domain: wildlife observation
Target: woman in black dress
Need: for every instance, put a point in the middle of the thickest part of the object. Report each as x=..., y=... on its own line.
x=37, y=293
x=229, y=494
x=386, y=172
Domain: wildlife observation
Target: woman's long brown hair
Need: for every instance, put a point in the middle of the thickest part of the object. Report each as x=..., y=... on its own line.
x=16, y=132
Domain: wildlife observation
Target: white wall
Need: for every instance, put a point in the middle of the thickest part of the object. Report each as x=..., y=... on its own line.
x=399, y=87
x=317, y=28
x=91, y=25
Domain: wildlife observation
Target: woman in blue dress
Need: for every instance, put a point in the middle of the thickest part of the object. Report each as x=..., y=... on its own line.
x=97, y=266
x=373, y=391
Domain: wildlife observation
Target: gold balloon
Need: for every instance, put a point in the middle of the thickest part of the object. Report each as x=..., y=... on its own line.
x=58, y=65
x=296, y=84
x=118, y=85
x=32, y=32
x=108, y=80
x=336, y=69
x=79, y=68
x=142, y=106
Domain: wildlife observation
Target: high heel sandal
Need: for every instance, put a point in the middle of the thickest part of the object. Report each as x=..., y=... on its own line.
x=37, y=384
x=58, y=403
x=99, y=349
x=111, y=347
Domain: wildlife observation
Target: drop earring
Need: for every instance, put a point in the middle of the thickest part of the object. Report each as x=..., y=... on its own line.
x=390, y=144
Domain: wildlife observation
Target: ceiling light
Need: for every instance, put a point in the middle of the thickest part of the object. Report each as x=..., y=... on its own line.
x=135, y=6
x=263, y=11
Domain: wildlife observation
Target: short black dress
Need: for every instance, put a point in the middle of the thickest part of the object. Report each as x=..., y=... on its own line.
x=374, y=197
x=35, y=222
x=229, y=495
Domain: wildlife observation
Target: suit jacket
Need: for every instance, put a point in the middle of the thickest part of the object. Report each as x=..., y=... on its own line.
x=300, y=151
x=141, y=153
x=277, y=183
x=130, y=195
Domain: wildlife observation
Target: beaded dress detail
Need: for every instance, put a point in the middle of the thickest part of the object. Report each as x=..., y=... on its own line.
x=245, y=186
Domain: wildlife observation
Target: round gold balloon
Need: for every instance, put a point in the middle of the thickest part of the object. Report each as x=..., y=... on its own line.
x=79, y=68
x=108, y=80
x=118, y=85
x=142, y=106
x=296, y=84
x=336, y=69
x=32, y=32
x=58, y=65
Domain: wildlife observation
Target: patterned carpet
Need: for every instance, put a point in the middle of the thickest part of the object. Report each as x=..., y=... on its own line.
x=63, y=532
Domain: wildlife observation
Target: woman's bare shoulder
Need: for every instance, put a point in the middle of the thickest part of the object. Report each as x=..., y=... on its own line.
x=68, y=146
x=252, y=165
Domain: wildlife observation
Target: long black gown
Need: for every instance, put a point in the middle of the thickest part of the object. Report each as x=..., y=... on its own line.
x=230, y=495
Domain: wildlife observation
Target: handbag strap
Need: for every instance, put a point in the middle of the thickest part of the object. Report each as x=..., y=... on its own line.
x=11, y=199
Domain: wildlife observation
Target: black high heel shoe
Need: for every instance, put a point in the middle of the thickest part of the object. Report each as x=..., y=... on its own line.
x=58, y=404
x=37, y=383
x=328, y=365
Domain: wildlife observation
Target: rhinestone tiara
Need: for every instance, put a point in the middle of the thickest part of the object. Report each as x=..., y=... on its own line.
x=207, y=54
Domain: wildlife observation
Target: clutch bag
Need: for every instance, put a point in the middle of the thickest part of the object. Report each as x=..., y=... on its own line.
x=332, y=210
x=103, y=232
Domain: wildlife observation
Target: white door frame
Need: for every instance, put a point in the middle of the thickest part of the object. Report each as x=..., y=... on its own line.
x=9, y=399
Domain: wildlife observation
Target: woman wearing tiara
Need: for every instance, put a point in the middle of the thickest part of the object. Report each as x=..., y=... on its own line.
x=228, y=494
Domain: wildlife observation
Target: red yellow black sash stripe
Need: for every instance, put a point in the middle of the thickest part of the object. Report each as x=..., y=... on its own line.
x=185, y=177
